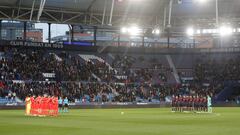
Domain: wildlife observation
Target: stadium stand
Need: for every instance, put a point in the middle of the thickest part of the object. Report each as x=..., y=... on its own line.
x=86, y=77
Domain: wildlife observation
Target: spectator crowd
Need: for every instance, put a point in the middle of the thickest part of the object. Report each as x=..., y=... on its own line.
x=94, y=81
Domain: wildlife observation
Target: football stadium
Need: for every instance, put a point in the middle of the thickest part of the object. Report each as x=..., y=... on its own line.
x=119, y=67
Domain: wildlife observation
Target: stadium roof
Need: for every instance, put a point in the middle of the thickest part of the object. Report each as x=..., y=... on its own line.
x=147, y=13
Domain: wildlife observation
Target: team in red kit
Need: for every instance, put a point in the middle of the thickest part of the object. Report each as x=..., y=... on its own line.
x=189, y=103
x=42, y=106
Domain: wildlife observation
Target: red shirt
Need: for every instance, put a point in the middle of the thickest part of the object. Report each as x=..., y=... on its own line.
x=196, y=100
x=190, y=99
x=180, y=99
x=44, y=102
x=32, y=102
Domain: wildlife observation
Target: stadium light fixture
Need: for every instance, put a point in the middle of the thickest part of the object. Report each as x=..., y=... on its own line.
x=156, y=31
x=210, y=31
x=234, y=30
x=215, y=31
x=225, y=31
x=198, y=31
x=204, y=31
x=190, y=31
x=124, y=30
x=134, y=30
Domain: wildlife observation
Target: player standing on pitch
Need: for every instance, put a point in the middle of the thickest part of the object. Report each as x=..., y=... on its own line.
x=33, y=106
x=60, y=104
x=209, y=104
x=28, y=105
x=173, y=103
x=65, y=102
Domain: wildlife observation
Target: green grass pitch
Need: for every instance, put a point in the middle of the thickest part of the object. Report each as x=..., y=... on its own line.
x=159, y=121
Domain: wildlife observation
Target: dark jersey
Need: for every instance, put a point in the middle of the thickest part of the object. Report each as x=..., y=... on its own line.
x=174, y=100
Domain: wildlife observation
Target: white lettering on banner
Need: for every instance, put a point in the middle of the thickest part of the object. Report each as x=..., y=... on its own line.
x=49, y=75
x=36, y=44
x=121, y=77
x=18, y=81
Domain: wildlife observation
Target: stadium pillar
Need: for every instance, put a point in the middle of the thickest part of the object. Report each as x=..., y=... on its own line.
x=217, y=18
x=164, y=17
x=168, y=37
x=170, y=13
x=111, y=12
x=118, y=39
x=95, y=36
x=194, y=43
x=0, y=29
x=104, y=12
x=168, y=41
x=72, y=33
x=49, y=33
x=169, y=23
x=24, y=31
x=143, y=40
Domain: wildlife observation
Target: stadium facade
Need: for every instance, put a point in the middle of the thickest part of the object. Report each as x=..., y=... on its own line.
x=14, y=30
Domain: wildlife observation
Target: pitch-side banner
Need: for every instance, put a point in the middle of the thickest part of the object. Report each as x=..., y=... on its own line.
x=31, y=44
x=53, y=46
x=18, y=43
x=36, y=44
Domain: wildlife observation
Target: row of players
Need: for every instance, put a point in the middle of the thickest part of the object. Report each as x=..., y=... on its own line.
x=45, y=105
x=191, y=103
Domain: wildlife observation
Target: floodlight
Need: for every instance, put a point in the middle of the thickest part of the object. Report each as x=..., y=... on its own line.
x=214, y=31
x=204, y=31
x=124, y=30
x=225, y=31
x=234, y=30
x=133, y=30
x=156, y=31
x=198, y=31
x=209, y=31
x=190, y=31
